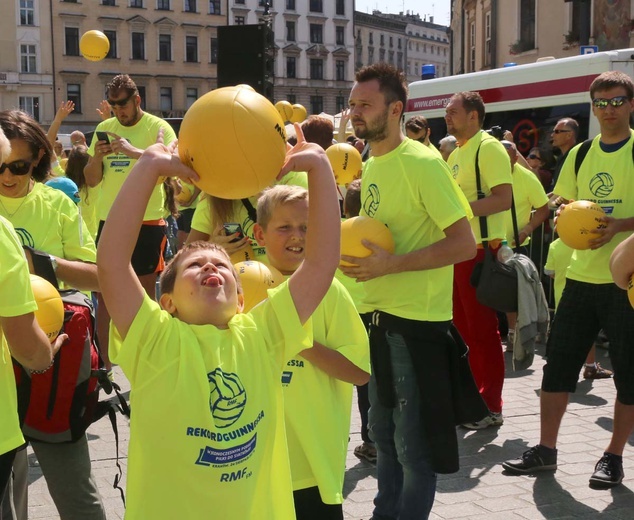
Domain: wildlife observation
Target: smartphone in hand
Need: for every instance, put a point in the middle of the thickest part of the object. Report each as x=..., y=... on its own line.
x=231, y=228
x=103, y=136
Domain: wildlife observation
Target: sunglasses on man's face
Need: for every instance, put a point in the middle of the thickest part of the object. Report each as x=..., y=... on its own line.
x=533, y=156
x=120, y=102
x=16, y=167
x=603, y=103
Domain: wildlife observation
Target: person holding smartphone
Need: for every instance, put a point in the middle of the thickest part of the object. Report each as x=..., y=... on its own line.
x=117, y=144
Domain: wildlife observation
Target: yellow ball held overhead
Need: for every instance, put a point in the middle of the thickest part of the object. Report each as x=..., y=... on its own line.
x=94, y=45
x=299, y=113
x=50, y=308
x=235, y=140
x=346, y=162
x=356, y=229
x=285, y=109
x=577, y=223
x=257, y=278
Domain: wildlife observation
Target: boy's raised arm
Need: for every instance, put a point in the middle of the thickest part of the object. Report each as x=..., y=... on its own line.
x=309, y=284
x=119, y=285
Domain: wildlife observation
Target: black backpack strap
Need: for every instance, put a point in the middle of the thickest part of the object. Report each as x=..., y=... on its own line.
x=583, y=151
x=253, y=215
x=484, y=230
x=42, y=265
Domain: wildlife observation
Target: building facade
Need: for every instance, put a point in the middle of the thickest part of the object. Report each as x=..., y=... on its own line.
x=314, y=47
x=487, y=34
x=26, y=63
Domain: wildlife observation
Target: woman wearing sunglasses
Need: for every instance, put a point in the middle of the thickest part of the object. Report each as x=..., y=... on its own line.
x=46, y=220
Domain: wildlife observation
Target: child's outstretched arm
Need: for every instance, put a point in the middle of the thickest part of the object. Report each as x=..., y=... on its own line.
x=335, y=364
x=311, y=281
x=119, y=285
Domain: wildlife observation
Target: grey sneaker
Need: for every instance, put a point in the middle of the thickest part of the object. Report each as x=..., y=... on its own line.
x=534, y=460
x=493, y=419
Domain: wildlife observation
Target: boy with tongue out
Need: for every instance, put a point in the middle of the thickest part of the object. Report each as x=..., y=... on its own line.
x=207, y=434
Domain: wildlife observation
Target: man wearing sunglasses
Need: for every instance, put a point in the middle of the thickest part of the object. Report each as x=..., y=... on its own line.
x=564, y=137
x=128, y=133
x=417, y=128
x=591, y=300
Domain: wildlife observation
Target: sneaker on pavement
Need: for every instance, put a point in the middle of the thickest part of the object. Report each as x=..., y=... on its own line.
x=596, y=372
x=493, y=419
x=366, y=451
x=608, y=472
x=537, y=459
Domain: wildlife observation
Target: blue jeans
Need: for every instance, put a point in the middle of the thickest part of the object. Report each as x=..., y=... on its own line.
x=406, y=482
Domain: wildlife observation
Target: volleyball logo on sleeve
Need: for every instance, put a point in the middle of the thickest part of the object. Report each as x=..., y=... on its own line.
x=601, y=185
x=227, y=397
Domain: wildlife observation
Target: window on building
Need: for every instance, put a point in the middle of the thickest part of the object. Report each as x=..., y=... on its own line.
x=165, y=47
x=71, y=41
x=291, y=98
x=215, y=7
x=391, y=42
x=340, y=7
x=316, y=33
x=527, y=24
x=138, y=46
x=27, y=12
x=191, y=49
x=73, y=93
x=141, y=89
x=213, y=50
x=487, y=39
x=241, y=2
x=291, y=71
x=381, y=54
x=108, y=2
x=163, y=5
x=28, y=58
x=190, y=6
x=580, y=22
x=290, y=31
x=371, y=38
x=191, y=95
x=166, y=99
x=239, y=20
x=112, y=38
x=70, y=1
x=340, y=70
x=340, y=33
x=340, y=103
x=382, y=39
x=316, y=69
x=290, y=4
x=30, y=105
x=316, y=104
x=472, y=52
x=316, y=6
x=136, y=3
x=400, y=45
x=370, y=55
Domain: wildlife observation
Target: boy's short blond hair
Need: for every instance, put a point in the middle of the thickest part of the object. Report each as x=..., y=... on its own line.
x=5, y=147
x=276, y=196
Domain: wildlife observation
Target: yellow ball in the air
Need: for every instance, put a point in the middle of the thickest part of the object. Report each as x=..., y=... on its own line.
x=577, y=222
x=299, y=113
x=346, y=162
x=94, y=45
x=235, y=140
x=256, y=279
x=356, y=229
x=50, y=308
x=285, y=109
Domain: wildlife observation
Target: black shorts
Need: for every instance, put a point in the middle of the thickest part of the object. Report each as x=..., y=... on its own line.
x=148, y=255
x=309, y=506
x=584, y=309
x=184, y=220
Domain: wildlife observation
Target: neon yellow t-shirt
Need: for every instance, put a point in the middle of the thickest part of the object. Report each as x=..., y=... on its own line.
x=411, y=191
x=202, y=219
x=355, y=290
x=318, y=406
x=558, y=261
x=528, y=193
x=495, y=169
x=207, y=435
x=17, y=299
x=117, y=167
x=88, y=201
x=608, y=180
x=49, y=220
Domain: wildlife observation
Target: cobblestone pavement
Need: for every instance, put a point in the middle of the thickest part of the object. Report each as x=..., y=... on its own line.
x=480, y=490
